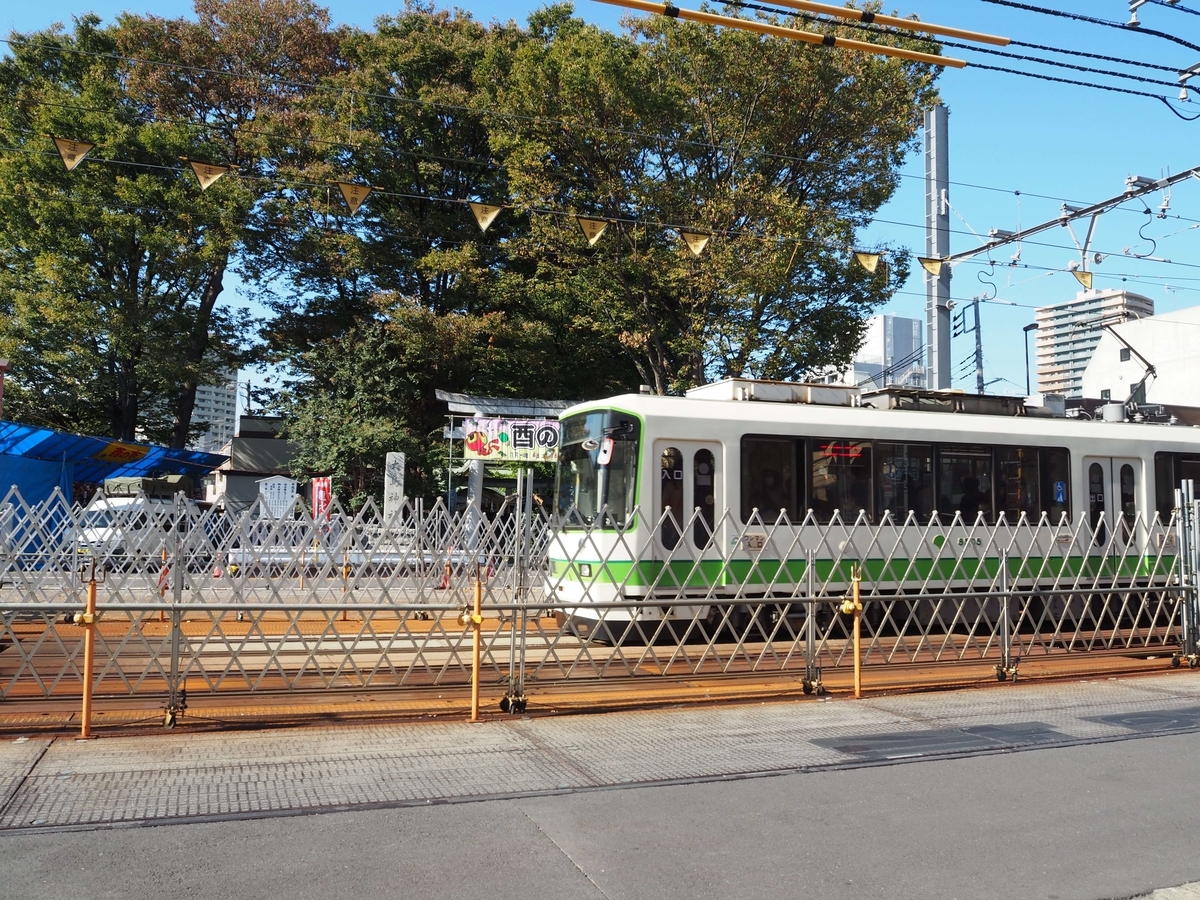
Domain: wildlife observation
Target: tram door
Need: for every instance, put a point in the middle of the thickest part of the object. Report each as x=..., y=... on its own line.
x=689, y=487
x=1114, y=492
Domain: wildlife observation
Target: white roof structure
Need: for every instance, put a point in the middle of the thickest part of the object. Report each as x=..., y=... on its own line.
x=1170, y=342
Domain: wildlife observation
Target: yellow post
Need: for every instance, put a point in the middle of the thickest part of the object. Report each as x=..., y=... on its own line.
x=88, y=621
x=855, y=596
x=852, y=606
x=476, y=638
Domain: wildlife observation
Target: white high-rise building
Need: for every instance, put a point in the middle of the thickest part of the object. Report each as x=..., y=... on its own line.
x=1067, y=335
x=216, y=404
x=893, y=353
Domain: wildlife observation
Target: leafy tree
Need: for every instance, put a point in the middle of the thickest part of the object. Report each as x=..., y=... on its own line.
x=111, y=275
x=238, y=75
x=780, y=150
x=101, y=268
x=433, y=301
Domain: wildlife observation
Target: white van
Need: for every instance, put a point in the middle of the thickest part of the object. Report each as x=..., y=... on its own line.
x=128, y=523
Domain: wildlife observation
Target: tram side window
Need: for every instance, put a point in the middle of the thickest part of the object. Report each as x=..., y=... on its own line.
x=965, y=482
x=1170, y=471
x=1017, y=483
x=904, y=480
x=1096, y=479
x=841, y=479
x=704, y=496
x=769, y=482
x=671, y=510
x=1164, y=484
x=1056, y=483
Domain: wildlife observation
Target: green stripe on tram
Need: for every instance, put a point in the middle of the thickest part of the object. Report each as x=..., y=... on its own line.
x=707, y=573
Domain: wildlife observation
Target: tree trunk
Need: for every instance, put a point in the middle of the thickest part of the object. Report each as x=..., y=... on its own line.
x=197, y=346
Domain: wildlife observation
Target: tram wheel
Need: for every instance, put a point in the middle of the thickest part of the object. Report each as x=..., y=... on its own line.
x=504, y=704
x=807, y=685
x=1001, y=675
x=1193, y=662
x=1174, y=662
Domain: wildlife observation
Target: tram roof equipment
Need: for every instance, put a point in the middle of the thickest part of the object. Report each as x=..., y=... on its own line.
x=916, y=399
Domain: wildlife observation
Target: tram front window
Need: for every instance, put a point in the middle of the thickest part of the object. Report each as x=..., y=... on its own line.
x=597, y=468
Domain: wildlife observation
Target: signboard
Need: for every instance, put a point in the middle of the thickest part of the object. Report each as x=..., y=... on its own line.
x=322, y=496
x=278, y=492
x=393, y=485
x=116, y=452
x=527, y=440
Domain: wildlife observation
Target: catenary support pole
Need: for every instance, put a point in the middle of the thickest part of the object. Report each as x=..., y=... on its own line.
x=937, y=246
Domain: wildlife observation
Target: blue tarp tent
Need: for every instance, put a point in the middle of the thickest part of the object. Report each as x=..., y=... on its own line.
x=37, y=460
x=35, y=479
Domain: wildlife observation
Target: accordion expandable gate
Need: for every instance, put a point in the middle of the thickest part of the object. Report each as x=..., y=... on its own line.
x=197, y=600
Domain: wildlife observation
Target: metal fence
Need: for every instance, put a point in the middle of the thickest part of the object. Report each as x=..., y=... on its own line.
x=197, y=601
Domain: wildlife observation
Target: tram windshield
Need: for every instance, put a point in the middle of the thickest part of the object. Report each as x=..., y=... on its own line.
x=597, y=469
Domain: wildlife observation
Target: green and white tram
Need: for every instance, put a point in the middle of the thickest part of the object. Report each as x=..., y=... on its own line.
x=746, y=489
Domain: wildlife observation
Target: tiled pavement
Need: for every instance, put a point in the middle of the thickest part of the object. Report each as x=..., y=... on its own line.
x=65, y=783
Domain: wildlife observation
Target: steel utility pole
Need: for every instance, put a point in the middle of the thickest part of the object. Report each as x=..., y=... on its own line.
x=937, y=246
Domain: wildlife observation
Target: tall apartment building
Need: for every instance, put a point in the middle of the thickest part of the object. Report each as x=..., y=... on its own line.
x=893, y=353
x=1067, y=335
x=216, y=404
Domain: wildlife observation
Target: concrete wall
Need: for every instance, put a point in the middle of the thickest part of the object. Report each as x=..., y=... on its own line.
x=1171, y=342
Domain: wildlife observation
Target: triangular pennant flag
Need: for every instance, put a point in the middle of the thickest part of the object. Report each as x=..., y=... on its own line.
x=206, y=174
x=932, y=266
x=869, y=261
x=1084, y=278
x=695, y=241
x=354, y=194
x=72, y=152
x=485, y=215
x=592, y=228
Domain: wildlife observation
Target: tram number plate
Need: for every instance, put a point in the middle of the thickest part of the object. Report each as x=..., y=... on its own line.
x=1166, y=540
x=754, y=541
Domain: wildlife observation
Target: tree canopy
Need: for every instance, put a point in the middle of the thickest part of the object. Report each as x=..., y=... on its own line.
x=774, y=155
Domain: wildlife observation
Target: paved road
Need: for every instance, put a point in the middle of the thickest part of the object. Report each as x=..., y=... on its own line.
x=1088, y=790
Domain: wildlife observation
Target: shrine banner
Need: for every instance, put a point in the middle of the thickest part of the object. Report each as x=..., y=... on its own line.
x=527, y=440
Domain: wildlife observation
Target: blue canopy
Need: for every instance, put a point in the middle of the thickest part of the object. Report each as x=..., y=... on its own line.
x=97, y=458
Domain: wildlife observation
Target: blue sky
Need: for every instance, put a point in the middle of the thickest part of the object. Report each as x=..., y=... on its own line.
x=1018, y=149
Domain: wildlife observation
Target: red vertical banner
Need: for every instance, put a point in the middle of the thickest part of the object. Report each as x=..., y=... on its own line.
x=322, y=496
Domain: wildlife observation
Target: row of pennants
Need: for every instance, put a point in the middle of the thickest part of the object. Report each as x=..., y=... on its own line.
x=934, y=268
x=74, y=152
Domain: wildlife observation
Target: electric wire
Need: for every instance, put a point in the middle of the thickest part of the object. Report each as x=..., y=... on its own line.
x=460, y=160
x=672, y=140
x=746, y=4
x=1092, y=20
x=1175, y=6
x=483, y=164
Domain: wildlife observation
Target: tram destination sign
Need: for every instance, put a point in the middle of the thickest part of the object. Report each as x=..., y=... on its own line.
x=526, y=440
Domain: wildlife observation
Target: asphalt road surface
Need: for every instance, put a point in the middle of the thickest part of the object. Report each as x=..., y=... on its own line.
x=1113, y=818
